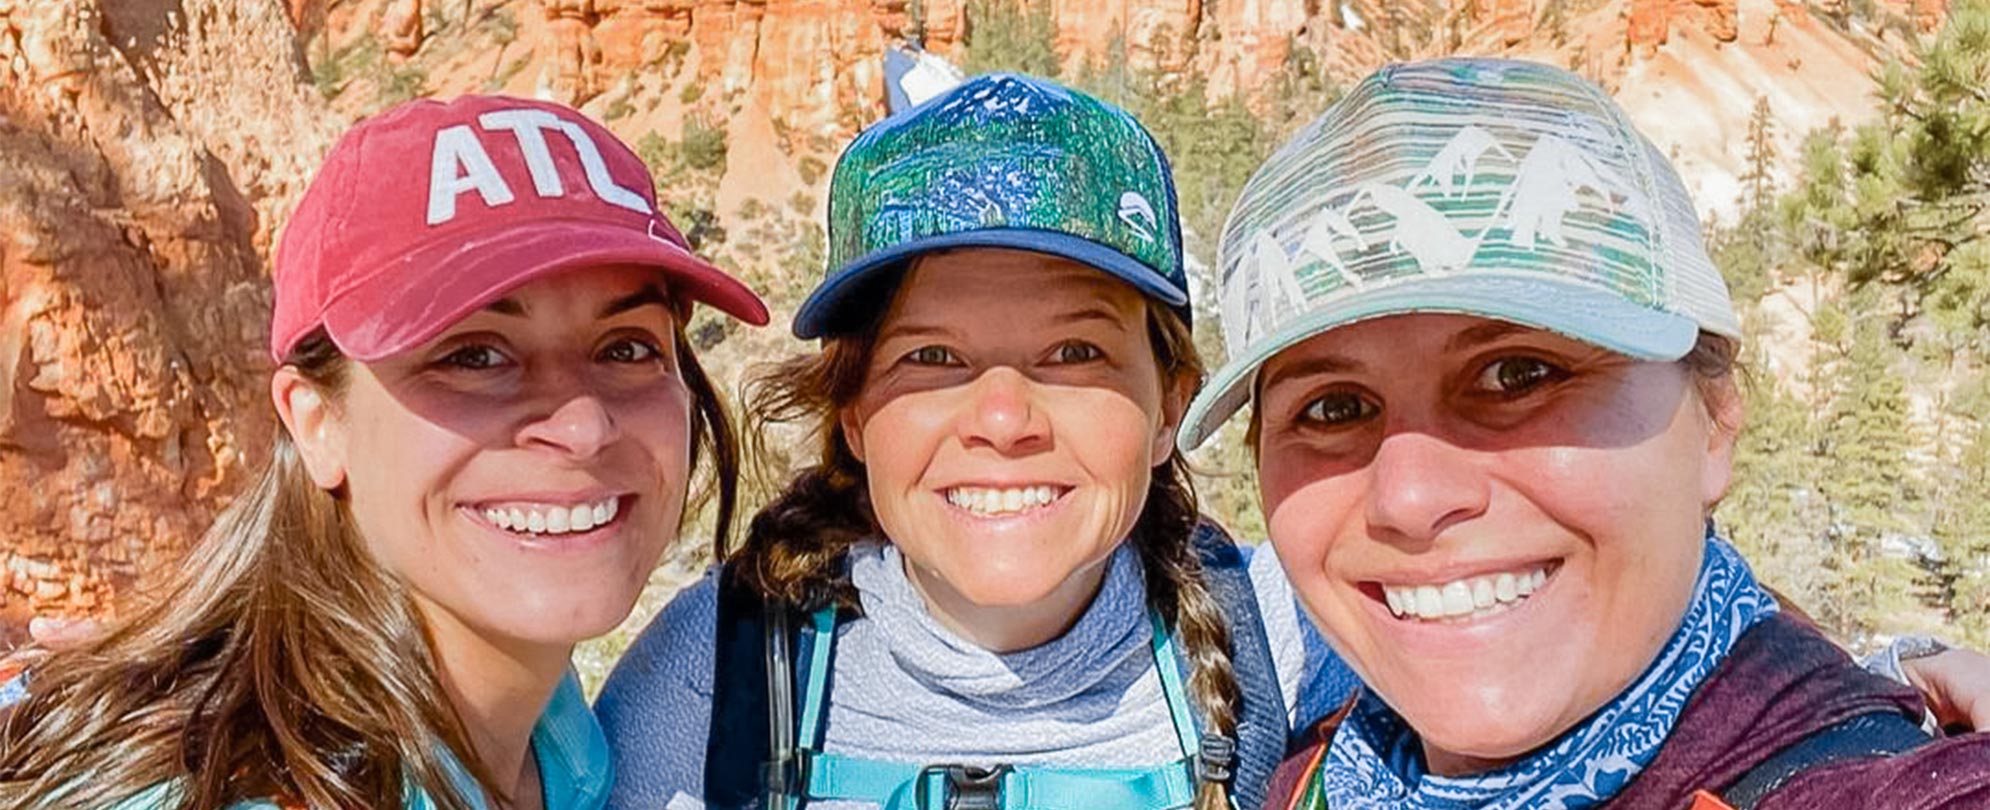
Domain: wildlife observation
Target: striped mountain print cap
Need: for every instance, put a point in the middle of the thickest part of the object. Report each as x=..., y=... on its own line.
x=1496, y=188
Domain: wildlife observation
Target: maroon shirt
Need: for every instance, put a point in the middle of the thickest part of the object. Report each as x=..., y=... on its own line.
x=1782, y=683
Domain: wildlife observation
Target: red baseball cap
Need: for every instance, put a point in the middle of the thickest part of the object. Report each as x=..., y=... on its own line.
x=431, y=210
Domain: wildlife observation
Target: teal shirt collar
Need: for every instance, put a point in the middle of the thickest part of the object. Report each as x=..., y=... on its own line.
x=575, y=771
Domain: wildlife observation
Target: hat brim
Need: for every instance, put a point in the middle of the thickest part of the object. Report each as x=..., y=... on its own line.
x=442, y=283
x=844, y=301
x=1579, y=311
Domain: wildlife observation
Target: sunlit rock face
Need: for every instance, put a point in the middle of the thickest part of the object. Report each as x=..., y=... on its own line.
x=145, y=151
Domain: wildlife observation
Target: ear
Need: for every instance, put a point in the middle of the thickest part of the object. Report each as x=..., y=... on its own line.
x=1175, y=397
x=853, y=430
x=1725, y=411
x=317, y=428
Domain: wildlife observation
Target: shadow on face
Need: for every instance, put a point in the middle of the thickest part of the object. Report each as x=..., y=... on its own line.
x=1497, y=526
x=525, y=470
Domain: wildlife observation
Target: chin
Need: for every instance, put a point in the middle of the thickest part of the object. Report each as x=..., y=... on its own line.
x=563, y=621
x=1494, y=723
x=992, y=590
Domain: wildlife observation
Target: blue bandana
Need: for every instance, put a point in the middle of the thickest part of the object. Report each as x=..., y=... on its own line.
x=1375, y=760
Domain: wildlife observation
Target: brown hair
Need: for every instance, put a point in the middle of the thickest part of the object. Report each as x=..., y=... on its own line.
x=280, y=661
x=792, y=548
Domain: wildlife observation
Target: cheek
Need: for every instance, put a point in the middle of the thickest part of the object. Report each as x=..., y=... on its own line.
x=1307, y=505
x=399, y=473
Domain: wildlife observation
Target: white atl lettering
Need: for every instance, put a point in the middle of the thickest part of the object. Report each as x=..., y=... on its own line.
x=529, y=127
x=459, y=164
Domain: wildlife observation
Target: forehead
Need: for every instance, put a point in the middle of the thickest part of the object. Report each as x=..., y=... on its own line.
x=1010, y=283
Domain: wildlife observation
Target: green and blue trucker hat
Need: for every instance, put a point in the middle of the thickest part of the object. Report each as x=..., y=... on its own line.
x=1001, y=161
x=1496, y=188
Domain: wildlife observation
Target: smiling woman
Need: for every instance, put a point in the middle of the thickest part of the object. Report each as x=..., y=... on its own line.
x=990, y=588
x=490, y=424
x=1489, y=472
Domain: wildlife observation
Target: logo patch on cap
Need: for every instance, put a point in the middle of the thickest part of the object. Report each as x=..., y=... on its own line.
x=1138, y=214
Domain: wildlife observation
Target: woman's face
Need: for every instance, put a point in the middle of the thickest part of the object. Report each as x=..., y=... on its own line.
x=524, y=471
x=1498, y=527
x=1010, y=419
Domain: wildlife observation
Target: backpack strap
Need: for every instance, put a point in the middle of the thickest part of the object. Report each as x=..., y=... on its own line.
x=951, y=786
x=1881, y=733
x=740, y=701
x=753, y=687
x=1261, y=720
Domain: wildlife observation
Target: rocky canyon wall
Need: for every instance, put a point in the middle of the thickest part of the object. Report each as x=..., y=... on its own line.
x=145, y=151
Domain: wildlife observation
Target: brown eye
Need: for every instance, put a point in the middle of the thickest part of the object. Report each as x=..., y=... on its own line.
x=1078, y=351
x=1338, y=408
x=630, y=350
x=474, y=357
x=932, y=356
x=1512, y=376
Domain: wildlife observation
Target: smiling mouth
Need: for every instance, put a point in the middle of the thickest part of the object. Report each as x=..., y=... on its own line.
x=1004, y=501
x=543, y=519
x=1464, y=600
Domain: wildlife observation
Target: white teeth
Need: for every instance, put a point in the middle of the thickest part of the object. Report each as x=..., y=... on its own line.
x=1000, y=501
x=1466, y=598
x=553, y=518
x=1429, y=602
x=1457, y=598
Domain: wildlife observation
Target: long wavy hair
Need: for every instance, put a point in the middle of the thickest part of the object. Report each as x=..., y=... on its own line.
x=280, y=661
x=793, y=547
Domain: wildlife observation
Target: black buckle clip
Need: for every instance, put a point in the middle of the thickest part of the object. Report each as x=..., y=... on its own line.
x=968, y=787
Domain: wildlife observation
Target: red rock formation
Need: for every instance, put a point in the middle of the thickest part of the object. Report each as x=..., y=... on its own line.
x=144, y=150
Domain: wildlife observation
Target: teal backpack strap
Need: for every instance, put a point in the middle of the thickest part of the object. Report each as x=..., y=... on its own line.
x=907, y=786
x=904, y=786
x=1168, y=666
x=817, y=694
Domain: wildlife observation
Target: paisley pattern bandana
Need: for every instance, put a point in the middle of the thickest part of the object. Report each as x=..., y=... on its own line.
x=1375, y=760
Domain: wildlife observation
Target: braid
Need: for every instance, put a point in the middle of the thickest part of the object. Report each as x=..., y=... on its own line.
x=1165, y=540
x=792, y=545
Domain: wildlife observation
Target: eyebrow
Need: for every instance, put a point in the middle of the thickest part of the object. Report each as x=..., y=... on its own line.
x=1090, y=314
x=646, y=296
x=1483, y=333
x=1308, y=367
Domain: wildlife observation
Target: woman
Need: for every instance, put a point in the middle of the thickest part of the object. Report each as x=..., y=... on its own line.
x=1491, y=370
x=490, y=419
x=994, y=564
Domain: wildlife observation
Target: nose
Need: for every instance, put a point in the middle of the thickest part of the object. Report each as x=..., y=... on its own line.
x=578, y=427
x=1420, y=484
x=1001, y=413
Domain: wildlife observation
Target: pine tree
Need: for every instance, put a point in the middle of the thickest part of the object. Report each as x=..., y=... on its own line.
x=1759, y=179
x=1962, y=532
x=1011, y=35
x=1867, y=483
x=1919, y=180
x=1773, y=511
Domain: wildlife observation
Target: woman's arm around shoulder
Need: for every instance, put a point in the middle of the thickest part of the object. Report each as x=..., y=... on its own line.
x=656, y=706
